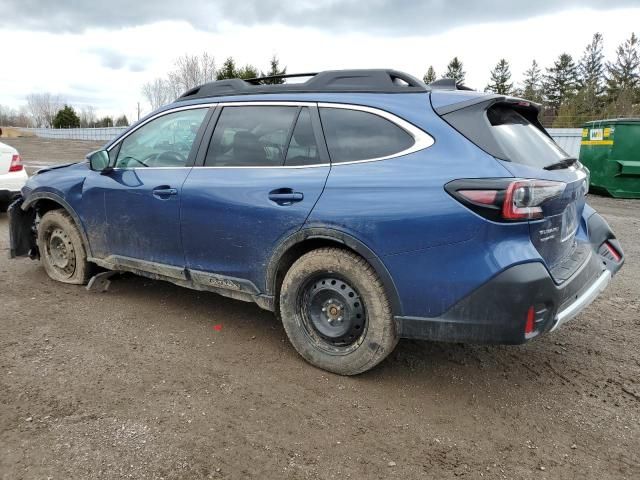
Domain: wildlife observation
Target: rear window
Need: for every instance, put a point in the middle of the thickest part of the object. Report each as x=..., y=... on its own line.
x=354, y=135
x=520, y=141
x=507, y=133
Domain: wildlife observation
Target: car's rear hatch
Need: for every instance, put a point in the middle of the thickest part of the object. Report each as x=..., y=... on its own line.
x=508, y=129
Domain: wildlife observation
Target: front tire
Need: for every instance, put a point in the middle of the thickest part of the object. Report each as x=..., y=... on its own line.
x=336, y=313
x=61, y=248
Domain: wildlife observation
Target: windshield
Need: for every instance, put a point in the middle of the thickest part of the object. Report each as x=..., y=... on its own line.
x=521, y=141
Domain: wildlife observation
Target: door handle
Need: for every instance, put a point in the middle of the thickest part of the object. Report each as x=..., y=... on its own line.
x=285, y=196
x=164, y=192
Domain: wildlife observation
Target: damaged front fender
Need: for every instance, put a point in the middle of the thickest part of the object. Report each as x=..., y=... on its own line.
x=22, y=240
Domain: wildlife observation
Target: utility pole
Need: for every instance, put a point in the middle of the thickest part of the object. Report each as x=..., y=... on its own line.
x=138, y=110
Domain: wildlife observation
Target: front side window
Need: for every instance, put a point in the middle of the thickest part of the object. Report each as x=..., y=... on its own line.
x=163, y=142
x=354, y=135
x=251, y=136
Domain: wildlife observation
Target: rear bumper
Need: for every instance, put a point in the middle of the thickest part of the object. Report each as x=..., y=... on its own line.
x=583, y=301
x=11, y=183
x=497, y=311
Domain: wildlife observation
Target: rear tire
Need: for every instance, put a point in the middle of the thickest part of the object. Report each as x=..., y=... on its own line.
x=335, y=311
x=61, y=248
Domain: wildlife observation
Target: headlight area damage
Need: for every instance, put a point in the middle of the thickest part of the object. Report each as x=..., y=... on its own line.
x=22, y=232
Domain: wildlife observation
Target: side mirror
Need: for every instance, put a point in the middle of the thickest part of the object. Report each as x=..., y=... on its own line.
x=99, y=160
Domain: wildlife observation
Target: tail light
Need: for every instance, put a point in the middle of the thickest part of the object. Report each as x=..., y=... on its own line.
x=523, y=198
x=16, y=164
x=505, y=199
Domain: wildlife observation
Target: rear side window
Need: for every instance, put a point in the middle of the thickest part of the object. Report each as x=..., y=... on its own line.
x=251, y=136
x=520, y=141
x=354, y=135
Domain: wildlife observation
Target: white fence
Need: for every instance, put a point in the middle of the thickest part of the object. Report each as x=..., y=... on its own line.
x=567, y=138
x=98, y=134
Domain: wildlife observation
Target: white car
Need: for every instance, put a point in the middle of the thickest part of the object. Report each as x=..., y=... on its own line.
x=12, y=175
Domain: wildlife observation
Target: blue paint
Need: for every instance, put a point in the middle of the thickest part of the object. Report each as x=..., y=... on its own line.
x=222, y=221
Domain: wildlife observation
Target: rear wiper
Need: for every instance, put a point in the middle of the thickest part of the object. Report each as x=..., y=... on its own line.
x=564, y=163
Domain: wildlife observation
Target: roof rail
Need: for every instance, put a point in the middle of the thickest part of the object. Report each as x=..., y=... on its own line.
x=448, y=84
x=260, y=80
x=362, y=81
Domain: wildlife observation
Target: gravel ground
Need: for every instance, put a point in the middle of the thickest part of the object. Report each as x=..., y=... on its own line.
x=153, y=381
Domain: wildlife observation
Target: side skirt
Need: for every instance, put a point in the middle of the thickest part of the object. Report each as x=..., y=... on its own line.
x=232, y=287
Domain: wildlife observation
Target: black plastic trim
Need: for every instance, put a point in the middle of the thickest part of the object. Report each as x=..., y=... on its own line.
x=599, y=232
x=203, y=147
x=322, y=233
x=496, y=312
x=34, y=197
x=21, y=237
x=361, y=81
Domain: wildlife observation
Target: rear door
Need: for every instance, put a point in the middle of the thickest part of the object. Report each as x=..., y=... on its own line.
x=255, y=183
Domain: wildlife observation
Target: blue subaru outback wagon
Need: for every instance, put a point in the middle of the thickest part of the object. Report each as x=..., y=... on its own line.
x=361, y=206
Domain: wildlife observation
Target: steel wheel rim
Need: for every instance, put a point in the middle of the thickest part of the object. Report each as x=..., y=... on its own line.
x=59, y=251
x=333, y=312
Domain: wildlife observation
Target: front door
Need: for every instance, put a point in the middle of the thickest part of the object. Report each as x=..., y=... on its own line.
x=262, y=173
x=141, y=195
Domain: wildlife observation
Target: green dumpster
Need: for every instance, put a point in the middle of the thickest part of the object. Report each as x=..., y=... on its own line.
x=610, y=149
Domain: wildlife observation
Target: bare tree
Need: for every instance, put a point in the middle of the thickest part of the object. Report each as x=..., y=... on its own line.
x=88, y=116
x=158, y=93
x=191, y=71
x=43, y=108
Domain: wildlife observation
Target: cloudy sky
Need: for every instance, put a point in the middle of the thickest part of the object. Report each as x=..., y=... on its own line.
x=100, y=53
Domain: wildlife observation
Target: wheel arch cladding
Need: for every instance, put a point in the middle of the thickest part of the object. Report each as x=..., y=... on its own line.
x=310, y=239
x=46, y=201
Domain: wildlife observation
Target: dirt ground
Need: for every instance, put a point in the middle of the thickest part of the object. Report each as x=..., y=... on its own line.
x=153, y=381
x=40, y=152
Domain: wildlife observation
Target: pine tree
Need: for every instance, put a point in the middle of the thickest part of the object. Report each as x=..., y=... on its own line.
x=623, y=75
x=430, y=76
x=591, y=71
x=247, y=72
x=591, y=67
x=228, y=70
x=455, y=71
x=105, y=122
x=66, y=118
x=532, y=84
x=561, y=81
x=275, y=70
x=122, y=121
x=500, y=79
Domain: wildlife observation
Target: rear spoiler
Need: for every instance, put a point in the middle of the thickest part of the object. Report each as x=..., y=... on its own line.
x=448, y=84
x=519, y=104
x=526, y=108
